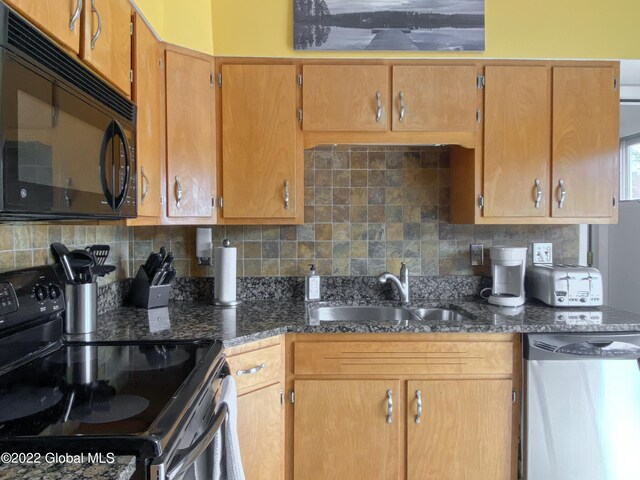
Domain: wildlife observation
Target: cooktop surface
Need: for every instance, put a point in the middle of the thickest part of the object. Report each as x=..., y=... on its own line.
x=94, y=389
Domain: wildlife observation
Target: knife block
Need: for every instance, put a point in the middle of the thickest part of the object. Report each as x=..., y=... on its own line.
x=143, y=295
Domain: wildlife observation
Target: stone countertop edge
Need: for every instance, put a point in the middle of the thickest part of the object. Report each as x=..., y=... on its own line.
x=122, y=469
x=260, y=319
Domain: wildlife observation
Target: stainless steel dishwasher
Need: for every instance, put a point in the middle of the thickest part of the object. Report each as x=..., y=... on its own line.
x=581, y=410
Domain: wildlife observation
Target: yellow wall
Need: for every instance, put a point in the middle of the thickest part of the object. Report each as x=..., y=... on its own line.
x=185, y=23
x=514, y=29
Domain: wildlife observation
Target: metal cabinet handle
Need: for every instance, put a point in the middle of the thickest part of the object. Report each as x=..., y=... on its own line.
x=286, y=194
x=251, y=371
x=563, y=194
x=379, y=109
x=75, y=16
x=96, y=35
x=178, y=192
x=389, y=406
x=419, y=409
x=538, y=193
x=146, y=185
x=402, y=106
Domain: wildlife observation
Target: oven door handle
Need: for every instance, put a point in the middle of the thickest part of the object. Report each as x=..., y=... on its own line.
x=194, y=451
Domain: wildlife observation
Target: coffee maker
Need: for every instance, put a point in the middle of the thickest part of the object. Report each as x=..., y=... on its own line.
x=508, y=267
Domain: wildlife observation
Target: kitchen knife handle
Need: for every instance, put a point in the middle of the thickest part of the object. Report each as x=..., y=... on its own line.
x=75, y=16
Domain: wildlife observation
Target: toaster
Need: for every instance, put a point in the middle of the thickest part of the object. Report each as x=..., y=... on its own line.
x=564, y=285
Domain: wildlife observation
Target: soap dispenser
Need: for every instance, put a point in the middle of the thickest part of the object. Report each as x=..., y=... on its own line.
x=312, y=285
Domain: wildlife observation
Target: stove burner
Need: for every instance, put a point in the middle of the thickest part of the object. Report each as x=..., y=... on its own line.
x=113, y=409
x=23, y=401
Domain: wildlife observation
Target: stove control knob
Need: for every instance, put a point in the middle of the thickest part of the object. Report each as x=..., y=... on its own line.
x=41, y=293
x=54, y=292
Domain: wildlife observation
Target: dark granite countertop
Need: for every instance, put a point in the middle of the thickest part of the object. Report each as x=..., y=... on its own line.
x=257, y=319
x=121, y=469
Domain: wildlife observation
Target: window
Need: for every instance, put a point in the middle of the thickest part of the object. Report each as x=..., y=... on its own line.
x=630, y=168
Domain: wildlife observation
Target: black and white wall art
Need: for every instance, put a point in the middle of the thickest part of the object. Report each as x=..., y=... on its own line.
x=449, y=25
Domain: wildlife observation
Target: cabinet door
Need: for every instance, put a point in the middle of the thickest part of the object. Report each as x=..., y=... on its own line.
x=343, y=98
x=259, y=141
x=148, y=96
x=585, y=141
x=464, y=431
x=106, y=43
x=190, y=135
x=261, y=433
x=58, y=18
x=434, y=98
x=516, y=141
x=341, y=430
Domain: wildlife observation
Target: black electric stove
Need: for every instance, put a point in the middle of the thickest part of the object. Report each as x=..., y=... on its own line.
x=126, y=398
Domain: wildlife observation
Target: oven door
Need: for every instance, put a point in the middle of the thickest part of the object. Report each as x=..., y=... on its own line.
x=192, y=455
x=62, y=155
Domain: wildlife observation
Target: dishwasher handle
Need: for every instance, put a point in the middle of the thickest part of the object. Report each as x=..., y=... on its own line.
x=582, y=346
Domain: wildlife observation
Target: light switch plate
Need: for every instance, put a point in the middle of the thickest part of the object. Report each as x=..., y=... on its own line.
x=542, y=253
x=476, y=254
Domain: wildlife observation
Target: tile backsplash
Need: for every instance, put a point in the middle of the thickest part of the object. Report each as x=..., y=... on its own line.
x=367, y=209
x=26, y=244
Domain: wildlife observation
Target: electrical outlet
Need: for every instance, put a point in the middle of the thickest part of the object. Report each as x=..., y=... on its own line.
x=542, y=253
x=476, y=254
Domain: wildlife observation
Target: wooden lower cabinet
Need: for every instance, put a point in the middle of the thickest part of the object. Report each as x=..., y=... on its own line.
x=453, y=414
x=346, y=429
x=261, y=433
x=463, y=431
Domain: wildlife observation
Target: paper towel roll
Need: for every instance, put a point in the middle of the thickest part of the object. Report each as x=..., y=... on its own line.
x=225, y=271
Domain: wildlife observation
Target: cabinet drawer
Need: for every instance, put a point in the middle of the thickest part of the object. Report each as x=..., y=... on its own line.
x=257, y=367
x=402, y=358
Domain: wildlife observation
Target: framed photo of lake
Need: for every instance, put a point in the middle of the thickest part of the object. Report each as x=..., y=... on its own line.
x=428, y=25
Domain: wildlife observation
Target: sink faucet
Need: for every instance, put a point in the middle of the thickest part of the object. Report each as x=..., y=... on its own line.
x=401, y=282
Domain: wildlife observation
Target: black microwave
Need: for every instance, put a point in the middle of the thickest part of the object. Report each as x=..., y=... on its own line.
x=67, y=137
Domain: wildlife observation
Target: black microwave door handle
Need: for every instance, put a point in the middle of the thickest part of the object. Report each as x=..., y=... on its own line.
x=122, y=195
x=106, y=141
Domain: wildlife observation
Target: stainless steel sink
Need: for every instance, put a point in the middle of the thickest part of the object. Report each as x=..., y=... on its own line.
x=439, y=314
x=359, y=314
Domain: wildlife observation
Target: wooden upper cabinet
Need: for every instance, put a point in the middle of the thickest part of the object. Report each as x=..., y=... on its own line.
x=343, y=98
x=434, y=98
x=59, y=18
x=464, y=430
x=106, y=43
x=148, y=96
x=342, y=430
x=516, y=141
x=585, y=141
x=190, y=135
x=261, y=156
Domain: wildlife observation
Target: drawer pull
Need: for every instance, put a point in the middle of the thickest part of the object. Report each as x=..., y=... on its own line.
x=538, y=193
x=563, y=194
x=419, y=409
x=251, y=371
x=401, y=106
x=389, y=406
x=95, y=36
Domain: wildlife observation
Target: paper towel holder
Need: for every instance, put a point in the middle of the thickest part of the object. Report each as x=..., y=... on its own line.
x=226, y=244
